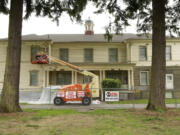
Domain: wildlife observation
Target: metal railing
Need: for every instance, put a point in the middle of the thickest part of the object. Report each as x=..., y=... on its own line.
x=136, y=96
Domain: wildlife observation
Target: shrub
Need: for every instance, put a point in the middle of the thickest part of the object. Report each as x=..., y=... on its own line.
x=111, y=83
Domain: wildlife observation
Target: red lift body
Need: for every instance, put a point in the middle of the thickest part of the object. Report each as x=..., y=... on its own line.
x=40, y=59
x=74, y=92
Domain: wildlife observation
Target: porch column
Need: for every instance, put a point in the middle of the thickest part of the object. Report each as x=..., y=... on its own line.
x=44, y=79
x=127, y=52
x=49, y=51
x=100, y=77
x=47, y=80
x=75, y=74
x=129, y=79
x=103, y=74
x=100, y=86
x=132, y=78
x=72, y=77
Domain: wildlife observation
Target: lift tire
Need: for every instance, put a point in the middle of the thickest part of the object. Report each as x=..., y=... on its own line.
x=58, y=101
x=86, y=101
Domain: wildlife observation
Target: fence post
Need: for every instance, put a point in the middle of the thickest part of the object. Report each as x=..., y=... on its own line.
x=102, y=94
x=50, y=95
x=175, y=100
x=133, y=98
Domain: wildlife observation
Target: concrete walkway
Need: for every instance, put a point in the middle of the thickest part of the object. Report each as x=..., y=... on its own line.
x=93, y=106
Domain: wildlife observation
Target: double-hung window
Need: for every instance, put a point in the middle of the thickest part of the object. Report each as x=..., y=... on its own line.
x=63, y=78
x=88, y=55
x=113, y=54
x=34, y=51
x=144, y=78
x=33, y=78
x=142, y=53
x=168, y=52
x=64, y=54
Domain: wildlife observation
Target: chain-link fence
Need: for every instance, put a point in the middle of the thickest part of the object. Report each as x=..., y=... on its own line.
x=135, y=96
x=108, y=95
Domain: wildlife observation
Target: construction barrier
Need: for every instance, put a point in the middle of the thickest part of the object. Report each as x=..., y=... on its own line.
x=109, y=95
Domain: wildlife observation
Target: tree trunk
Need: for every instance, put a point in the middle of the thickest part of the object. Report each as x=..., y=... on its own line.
x=158, y=69
x=10, y=92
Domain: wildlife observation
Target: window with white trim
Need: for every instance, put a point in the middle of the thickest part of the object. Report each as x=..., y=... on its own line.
x=113, y=54
x=63, y=78
x=169, y=81
x=64, y=54
x=33, y=78
x=144, y=78
x=142, y=53
x=88, y=55
x=168, y=52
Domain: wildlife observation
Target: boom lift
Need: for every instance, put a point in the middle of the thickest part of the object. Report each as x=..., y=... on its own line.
x=75, y=92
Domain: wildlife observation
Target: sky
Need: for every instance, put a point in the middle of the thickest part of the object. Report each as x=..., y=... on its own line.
x=43, y=25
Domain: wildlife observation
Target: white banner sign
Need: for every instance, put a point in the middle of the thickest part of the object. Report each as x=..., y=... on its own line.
x=111, y=95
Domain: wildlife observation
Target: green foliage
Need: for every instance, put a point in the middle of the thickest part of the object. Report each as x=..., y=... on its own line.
x=50, y=8
x=3, y=6
x=54, y=8
x=125, y=10
x=111, y=83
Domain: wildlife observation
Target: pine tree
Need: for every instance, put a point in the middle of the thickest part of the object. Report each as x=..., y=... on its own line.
x=158, y=68
x=157, y=19
x=52, y=9
x=135, y=9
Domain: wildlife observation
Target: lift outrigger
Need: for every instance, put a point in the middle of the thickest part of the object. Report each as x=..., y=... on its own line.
x=73, y=92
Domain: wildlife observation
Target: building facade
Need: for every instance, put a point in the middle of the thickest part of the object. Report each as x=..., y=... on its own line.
x=127, y=58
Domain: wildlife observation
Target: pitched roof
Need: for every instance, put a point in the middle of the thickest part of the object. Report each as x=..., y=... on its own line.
x=80, y=37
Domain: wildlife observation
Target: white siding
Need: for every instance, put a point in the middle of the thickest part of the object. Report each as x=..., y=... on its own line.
x=26, y=53
x=175, y=54
x=25, y=75
x=100, y=51
x=3, y=52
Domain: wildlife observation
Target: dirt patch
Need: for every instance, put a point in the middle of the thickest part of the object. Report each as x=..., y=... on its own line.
x=169, y=118
x=15, y=115
x=50, y=124
x=68, y=120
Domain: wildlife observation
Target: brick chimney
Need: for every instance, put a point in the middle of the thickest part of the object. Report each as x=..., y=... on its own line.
x=89, y=27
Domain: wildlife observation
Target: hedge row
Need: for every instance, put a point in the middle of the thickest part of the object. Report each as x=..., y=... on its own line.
x=111, y=83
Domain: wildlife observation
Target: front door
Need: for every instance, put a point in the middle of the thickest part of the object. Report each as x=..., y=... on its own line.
x=169, y=81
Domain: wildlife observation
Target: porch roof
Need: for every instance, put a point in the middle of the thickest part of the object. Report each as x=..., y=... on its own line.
x=93, y=66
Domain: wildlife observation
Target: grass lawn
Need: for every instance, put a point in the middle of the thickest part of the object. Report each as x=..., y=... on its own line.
x=142, y=101
x=94, y=122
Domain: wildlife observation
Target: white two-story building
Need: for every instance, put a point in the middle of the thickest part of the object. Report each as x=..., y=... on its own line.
x=127, y=58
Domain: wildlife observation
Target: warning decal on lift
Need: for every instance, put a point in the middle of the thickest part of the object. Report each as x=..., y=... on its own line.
x=61, y=94
x=80, y=94
x=70, y=95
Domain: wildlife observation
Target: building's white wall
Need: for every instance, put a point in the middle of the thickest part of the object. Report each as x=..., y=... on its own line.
x=26, y=54
x=3, y=49
x=76, y=55
x=2, y=68
x=100, y=50
x=175, y=55
x=26, y=68
x=3, y=52
x=26, y=65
